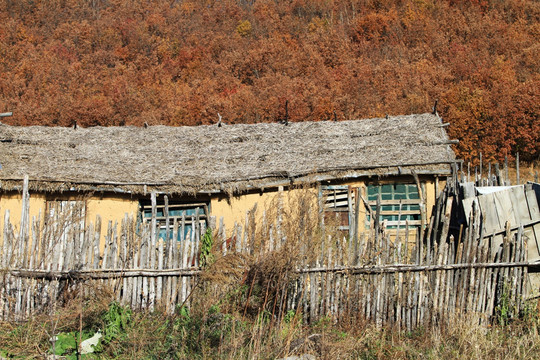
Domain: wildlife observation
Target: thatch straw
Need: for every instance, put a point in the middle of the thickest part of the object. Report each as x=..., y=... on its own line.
x=212, y=158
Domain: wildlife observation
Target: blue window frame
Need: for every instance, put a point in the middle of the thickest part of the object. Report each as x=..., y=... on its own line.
x=187, y=213
x=392, y=197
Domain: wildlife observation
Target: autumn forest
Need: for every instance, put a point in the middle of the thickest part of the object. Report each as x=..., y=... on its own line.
x=127, y=62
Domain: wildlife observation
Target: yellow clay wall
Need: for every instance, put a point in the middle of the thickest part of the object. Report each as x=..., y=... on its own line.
x=113, y=207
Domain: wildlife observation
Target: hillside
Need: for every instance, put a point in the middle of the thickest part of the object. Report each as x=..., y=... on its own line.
x=114, y=62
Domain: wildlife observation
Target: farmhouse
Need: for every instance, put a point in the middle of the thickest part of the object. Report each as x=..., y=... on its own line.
x=224, y=171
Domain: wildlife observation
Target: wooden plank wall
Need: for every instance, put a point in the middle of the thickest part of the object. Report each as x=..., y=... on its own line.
x=404, y=282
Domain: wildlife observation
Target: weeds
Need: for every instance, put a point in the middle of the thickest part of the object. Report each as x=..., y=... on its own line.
x=207, y=257
x=215, y=331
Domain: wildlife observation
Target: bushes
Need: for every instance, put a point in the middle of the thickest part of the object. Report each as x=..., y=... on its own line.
x=181, y=62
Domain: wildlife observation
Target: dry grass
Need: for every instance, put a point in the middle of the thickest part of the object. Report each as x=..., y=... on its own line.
x=219, y=335
x=31, y=339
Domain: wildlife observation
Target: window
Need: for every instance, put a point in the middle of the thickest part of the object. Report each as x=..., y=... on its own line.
x=392, y=195
x=338, y=203
x=188, y=213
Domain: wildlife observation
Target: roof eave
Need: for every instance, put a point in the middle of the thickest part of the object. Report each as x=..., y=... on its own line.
x=228, y=187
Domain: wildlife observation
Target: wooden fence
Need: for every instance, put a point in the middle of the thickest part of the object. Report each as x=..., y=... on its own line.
x=381, y=275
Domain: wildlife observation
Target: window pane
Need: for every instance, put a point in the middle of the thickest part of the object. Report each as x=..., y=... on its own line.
x=387, y=189
x=175, y=212
x=373, y=191
x=148, y=213
x=413, y=192
x=189, y=212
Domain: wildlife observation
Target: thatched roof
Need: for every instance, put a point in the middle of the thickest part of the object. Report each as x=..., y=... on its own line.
x=228, y=158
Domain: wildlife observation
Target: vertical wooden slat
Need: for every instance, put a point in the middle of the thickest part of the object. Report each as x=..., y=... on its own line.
x=163, y=254
x=123, y=258
x=493, y=285
x=525, y=269
x=115, y=283
x=143, y=264
x=515, y=271
x=174, y=263
x=9, y=240
x=328, y=304
x=517, y=169
x=185, y=255
x=32, y=289
x=23, y=224
x=182, y=258
x=135, y=264
x=107, y=247
x=198, y=230
x=192, y=243
x=168, y=263
x=446, y=307
x=221, y=236
x=122, y=262
x=159, y=285
x=152, y=252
